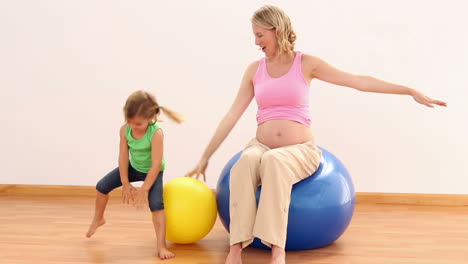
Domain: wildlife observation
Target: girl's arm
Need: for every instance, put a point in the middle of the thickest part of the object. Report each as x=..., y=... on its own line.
x=242, y=101
x=156, y=161
x=317, y=68
x=127, y=188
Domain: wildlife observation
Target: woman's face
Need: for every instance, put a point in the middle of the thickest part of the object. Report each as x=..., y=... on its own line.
x=265, y=39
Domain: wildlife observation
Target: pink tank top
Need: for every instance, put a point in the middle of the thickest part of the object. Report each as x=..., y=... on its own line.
x=284, y=98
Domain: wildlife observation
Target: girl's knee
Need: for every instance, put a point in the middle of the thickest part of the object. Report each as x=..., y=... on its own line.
x=156, y=207
x=102, y=187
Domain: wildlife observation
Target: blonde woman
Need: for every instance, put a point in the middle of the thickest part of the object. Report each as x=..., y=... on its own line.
x=283, y=151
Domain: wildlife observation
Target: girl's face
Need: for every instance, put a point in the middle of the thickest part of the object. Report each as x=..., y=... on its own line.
x=139, y=124
x=265, y=39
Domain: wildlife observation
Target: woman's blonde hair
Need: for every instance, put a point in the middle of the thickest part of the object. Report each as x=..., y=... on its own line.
x=143, y=104
x=272, y=17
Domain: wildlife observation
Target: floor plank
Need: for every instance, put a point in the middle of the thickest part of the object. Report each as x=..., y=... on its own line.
x=50, y=229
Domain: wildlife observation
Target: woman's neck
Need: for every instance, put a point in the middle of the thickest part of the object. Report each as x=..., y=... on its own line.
x=280, y=58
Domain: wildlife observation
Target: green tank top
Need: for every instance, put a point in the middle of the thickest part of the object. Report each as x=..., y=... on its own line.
x=140, y=149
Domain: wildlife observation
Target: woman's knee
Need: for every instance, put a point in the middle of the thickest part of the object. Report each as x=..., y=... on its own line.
x=249, y=157
x=270, y=157
x=274, y=168
x=249, y=161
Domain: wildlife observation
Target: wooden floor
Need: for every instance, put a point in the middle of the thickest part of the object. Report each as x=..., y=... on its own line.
x=50, y=229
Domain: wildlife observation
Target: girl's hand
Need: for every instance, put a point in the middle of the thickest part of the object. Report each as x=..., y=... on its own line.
x=199, y=170
x=141, y=200
x=127, y=193
x=426, y=100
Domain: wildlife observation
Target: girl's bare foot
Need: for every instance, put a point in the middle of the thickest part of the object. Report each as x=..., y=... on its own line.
x=165, y=254
x=94, y=225
x=234, y=256
x=278, y=255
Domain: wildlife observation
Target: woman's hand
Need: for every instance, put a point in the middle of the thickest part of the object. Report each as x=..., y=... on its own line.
x=199, y=170
x=426, y=100
x=141, y=200
x=127, y=193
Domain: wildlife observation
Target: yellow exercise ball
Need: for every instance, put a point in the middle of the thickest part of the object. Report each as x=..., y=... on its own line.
x=190, y=208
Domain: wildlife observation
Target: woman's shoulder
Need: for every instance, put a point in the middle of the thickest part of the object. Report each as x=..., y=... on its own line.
x=252, y=68
x=310, y=62
x=309, y=58
x=254, y=64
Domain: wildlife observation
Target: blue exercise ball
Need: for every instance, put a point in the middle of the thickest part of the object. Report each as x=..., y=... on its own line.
x=321, y=208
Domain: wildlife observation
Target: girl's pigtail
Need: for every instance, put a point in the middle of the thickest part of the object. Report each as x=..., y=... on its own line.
x=174, y=116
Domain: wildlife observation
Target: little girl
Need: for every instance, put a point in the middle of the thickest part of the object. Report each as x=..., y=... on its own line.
x=140, y=159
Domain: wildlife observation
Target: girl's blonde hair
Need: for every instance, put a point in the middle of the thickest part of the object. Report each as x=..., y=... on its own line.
x=143, y=104
x=272, y=17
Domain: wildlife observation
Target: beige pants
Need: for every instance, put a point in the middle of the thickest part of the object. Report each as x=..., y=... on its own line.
x=276, y=170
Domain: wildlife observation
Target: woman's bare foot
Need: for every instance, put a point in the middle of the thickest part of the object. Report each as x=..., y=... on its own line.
x=165, y=254
x=278, y=255
x=94, y=225
x=235, y=254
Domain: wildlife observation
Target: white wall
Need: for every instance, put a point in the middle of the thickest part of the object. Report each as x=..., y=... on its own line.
x=66, y=68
